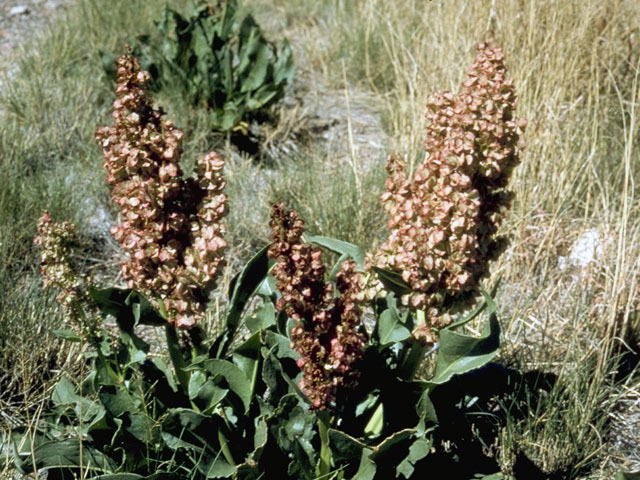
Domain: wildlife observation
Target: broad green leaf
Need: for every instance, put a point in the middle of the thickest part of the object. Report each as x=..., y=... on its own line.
x=64, y=393
x=143, y=311
x=391, y=327
x=418, y=450
x=280, y=344
x=235, y=378
x=376, y=422
x=215, y=467
x=251, y=276
x=69, y=335
x=268, y=287
x=179, y=420
x=259, y=66
x=224, y=24
x=368, y=403
x=141, y=427
x=262, y=318
x=230, y=117
x=163, y=476
x=391, y=441
x=119, y=476
x=204, y=391
x=492, y=310
x=168, y=374
x=92, y=415
x=274, y=376
x=248, y=45
x=283, y=70
x=110, y=301
x=367, y=468
x=496, y=476
x=459, y=353
x=426, y=412
x=344, y=446
x=68, y=454
x=136, y=348
x=293, y=429
x=175, y=442
x=392, y=281
x=196, y=380
x=117, y=400
x=247, y=358
x=272, y=373
x=343, y=248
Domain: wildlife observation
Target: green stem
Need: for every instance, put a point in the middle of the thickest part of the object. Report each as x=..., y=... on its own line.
x=175, y=354
x=103, y=360
x=224, y=446
x=324, y=467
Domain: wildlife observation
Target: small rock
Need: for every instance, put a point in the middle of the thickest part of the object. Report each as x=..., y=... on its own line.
x=562, y=263
x=586, y=249
x=19, y=10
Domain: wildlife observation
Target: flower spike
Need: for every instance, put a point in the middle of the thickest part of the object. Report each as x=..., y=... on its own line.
x=444, y=218
x=171, y=227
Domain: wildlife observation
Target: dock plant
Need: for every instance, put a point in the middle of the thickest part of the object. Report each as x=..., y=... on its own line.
x=313, y=371
x=216, y=58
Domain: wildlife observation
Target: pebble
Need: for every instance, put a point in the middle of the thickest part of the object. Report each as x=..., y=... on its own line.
x=19, y=10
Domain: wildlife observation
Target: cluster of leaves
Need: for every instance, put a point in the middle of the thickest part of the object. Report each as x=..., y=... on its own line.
x=231, y=408
x=214, y=58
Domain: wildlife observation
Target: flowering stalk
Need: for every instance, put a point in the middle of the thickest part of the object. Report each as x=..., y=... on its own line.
x=171, y=227
x=55, y=240
x=327, y=334
x=443, y=219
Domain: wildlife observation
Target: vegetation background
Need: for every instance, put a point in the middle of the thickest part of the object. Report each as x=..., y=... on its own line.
x=569, y=294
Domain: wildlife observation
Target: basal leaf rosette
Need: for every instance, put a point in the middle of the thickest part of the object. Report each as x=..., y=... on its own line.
x=444, y=217
x=170, y=227
x=327, y=334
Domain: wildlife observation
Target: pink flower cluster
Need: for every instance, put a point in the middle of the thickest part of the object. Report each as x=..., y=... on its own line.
x=55, y=241
x=327, y=336
x=170, y=226
x=443, y=219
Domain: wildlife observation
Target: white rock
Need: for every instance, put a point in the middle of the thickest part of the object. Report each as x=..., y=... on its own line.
x=19, y=10
x=586, y=249
x=562, y=263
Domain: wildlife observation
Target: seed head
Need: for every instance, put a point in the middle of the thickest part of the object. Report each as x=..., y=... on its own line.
x=57, y=270
x=327, y=335
x=171, y=227
x=443, y=219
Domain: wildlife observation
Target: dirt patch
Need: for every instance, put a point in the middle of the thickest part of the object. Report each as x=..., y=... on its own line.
x=344, y=124
x=20, y=21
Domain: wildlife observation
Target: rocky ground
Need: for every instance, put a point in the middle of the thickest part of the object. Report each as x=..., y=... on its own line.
x=19, y=20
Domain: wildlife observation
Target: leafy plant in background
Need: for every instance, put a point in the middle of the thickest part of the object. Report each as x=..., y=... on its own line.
x=303, y=390
x=218, y=60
